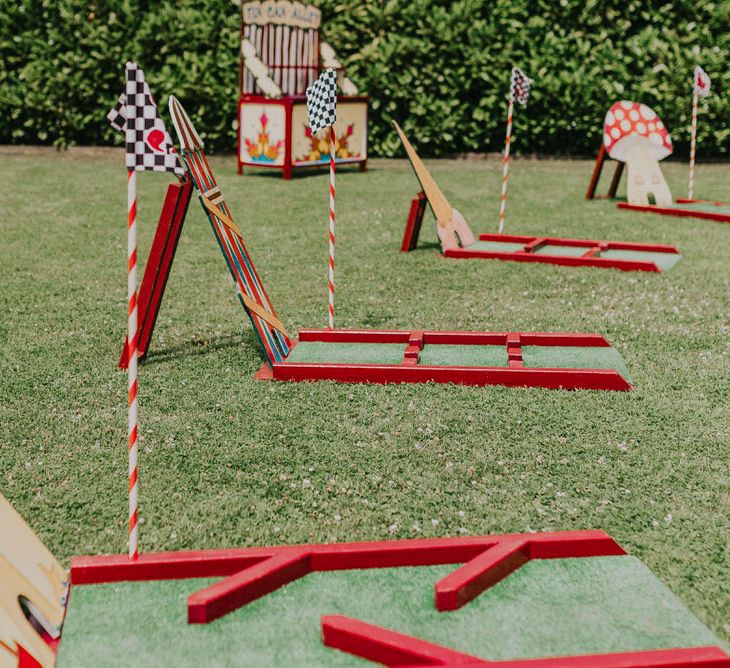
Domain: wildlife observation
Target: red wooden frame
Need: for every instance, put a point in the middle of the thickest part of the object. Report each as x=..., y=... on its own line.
x=288, y=102
x=251, y=573
x=682, y=213
x=158, y=265
x=391, y=648
x=515, y=374
x=596, y=175
x=591, y=258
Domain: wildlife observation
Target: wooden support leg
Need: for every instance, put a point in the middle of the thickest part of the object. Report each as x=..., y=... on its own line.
x=159, y=263
x=597, y=169
x=616, y=179
x=413, y=226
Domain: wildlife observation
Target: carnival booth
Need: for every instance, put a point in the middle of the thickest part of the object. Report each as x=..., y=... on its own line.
x=281, y=55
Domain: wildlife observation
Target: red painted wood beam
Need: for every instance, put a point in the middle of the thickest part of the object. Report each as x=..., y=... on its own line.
x=682, y=213
x=466, y=583
x=247, y=585
x=387, y=647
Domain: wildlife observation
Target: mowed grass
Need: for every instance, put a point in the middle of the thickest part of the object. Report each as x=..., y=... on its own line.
x=230, y=461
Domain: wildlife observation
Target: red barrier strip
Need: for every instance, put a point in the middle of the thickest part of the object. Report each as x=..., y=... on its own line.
x=391, y=648
x=682, y=213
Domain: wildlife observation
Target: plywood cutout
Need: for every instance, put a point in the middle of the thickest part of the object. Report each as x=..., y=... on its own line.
x=453, y=231
x=33, y=591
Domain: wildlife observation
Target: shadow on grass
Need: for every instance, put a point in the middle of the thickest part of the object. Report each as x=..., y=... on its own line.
x=199, y=347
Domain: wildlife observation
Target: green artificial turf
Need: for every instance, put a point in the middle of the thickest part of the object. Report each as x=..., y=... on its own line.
x=546, y=608
x=575, y=357
x=228, y=461
x=347, y=353
x=703, y=206
x=450, y=355
x=495, y=246
x=665, y=261
x=559, y=249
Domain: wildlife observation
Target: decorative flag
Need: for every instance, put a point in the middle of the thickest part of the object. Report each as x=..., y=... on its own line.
x=702, y=82
x=322, y=101
x=148, y=145
x=519, y=88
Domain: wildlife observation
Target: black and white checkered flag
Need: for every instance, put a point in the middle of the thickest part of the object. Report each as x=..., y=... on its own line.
x=149, y=147
x=322, y=101
x=519, y=87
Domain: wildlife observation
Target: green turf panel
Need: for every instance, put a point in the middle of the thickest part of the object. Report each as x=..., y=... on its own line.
x=575, y=357
x=704, y=206
x=547, y=607
x=558, y=249
x=347, y=353
x=451, y=355
x=496, y=246
x=665, y=261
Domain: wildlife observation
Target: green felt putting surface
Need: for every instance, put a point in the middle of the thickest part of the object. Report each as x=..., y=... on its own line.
x=450, y=355
x=347, y=353
x=575, y=357
x=496, y=246
x=665, y=261
x=559, y=249
x=703, y=206
x=546, y=608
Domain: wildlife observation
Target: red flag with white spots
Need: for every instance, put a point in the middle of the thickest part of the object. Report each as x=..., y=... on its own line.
x=702, y=82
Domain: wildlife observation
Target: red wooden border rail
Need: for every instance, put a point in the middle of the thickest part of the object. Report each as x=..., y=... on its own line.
x=591, y=258
x=410, y=370
x=391, y=648
x=682, y=213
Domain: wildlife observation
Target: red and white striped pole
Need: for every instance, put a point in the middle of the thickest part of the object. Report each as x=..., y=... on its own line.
x=132, y=417
x=331, y=275
x=693, y=142
x=505, y=162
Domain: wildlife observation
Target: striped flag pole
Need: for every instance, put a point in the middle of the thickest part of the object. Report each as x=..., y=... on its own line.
x=132, y=418
x=505, y=163
x=331, y=276
x=693, y=143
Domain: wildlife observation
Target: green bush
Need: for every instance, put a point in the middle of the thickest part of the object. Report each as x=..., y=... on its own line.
x=440, y=68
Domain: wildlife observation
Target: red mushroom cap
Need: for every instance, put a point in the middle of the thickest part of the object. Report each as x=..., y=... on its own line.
x=630, y=123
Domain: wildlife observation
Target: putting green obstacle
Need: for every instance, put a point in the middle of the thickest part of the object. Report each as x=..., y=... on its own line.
x=390, y=356
x=458, y=242
x=551, y=607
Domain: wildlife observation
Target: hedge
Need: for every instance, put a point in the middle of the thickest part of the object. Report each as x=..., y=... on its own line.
x=440, y=68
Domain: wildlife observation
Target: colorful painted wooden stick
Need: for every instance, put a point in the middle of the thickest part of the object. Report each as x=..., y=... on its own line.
x=505, y=164
x=132, y=405
x=331, y=275
x=692, y=146
x=519, y=90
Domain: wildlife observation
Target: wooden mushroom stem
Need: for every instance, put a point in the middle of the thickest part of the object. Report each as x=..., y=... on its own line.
x=645, y=177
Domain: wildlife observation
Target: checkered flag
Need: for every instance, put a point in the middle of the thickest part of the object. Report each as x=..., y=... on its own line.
x=149, y=147
x=702, y=82
x=519, y=87
x=322, y=101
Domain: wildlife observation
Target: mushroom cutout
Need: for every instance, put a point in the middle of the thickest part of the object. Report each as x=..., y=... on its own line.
x=634, y=134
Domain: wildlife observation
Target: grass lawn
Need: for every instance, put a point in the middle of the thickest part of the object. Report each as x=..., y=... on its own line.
x=227, y=461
